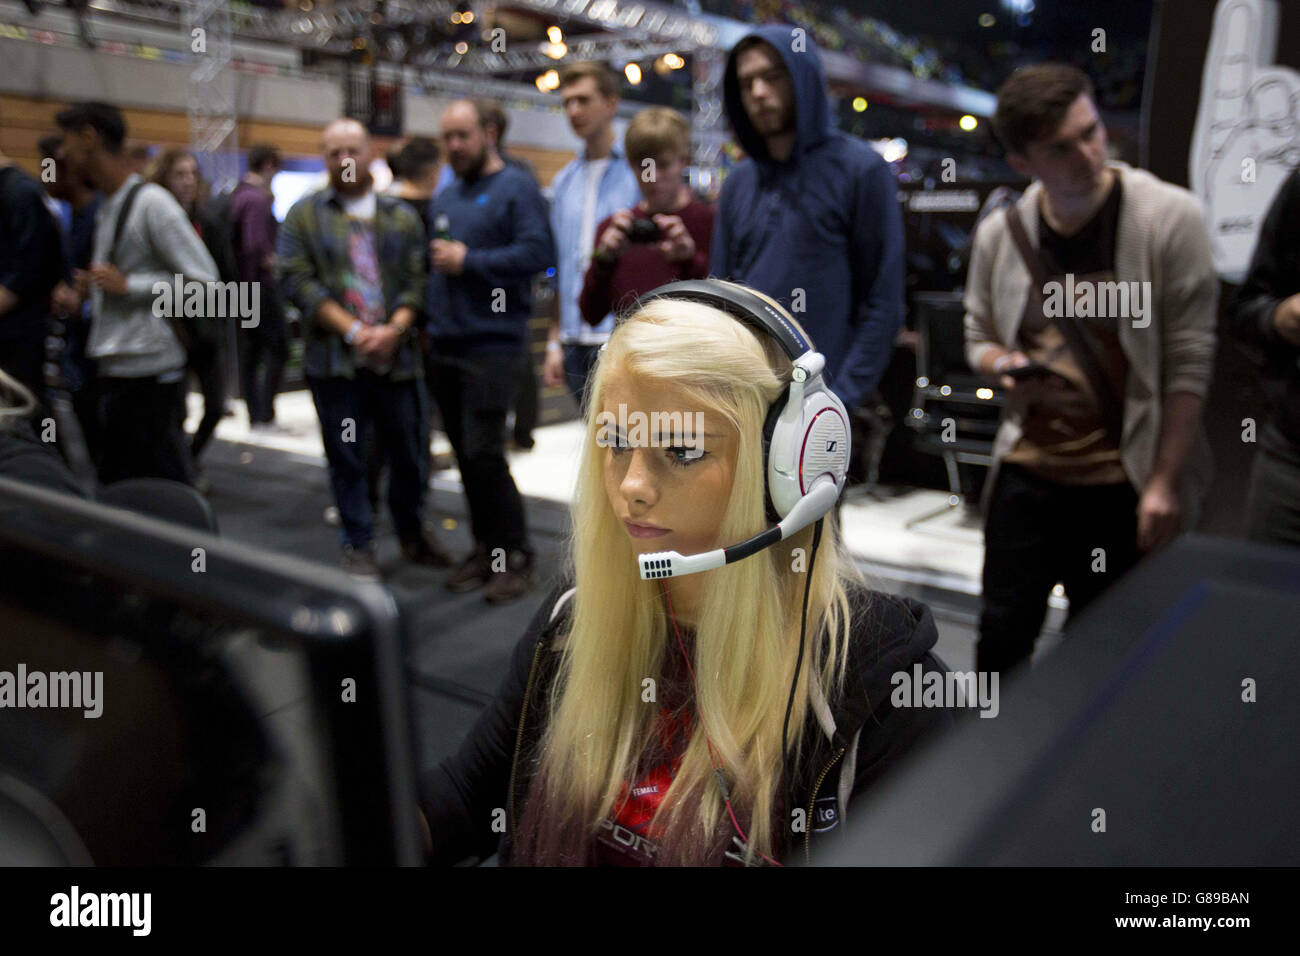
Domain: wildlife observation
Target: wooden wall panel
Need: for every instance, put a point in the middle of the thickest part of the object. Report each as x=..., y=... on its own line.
x=24, y=120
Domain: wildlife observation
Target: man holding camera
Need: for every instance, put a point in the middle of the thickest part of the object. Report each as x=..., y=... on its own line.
x=661, y=239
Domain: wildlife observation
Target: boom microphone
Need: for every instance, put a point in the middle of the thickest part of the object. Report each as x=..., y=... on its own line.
x=819, y=500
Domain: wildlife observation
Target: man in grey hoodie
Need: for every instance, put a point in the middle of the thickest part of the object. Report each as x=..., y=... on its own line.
x=141, y=359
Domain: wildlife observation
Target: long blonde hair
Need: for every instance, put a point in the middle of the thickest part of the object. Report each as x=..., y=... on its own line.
x=747, y=627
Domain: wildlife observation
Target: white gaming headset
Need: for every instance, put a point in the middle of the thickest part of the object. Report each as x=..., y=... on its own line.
x=805, y=438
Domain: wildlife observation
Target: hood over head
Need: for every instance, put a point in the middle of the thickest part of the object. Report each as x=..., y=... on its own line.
x=813, y=121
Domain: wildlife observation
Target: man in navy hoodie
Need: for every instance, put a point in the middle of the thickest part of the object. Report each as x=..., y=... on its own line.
x=811, y=216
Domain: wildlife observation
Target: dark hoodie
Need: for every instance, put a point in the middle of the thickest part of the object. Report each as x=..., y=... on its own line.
x=462, y=797
x=827, y=221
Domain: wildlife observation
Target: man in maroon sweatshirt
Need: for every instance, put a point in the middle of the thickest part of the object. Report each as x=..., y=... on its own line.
x=663, y=238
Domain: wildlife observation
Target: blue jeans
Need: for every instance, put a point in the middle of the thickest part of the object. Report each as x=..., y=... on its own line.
x=578, y=360
x=395, y=410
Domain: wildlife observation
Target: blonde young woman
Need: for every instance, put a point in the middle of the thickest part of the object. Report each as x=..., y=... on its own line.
x=644, y=722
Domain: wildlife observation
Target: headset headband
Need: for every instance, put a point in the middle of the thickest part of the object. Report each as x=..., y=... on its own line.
x=742, y=304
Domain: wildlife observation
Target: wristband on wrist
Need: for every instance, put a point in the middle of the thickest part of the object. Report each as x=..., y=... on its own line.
x=351, y=335
x=999, y=363
x=554, y=347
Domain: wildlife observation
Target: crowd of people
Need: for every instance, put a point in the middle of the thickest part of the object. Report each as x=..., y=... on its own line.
x=419, y=298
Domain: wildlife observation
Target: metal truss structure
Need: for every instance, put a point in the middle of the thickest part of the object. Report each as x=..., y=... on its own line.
x=627, y=31
x=633, y=30
x=211, y=94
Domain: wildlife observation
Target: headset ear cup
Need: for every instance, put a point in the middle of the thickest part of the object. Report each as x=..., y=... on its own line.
x=769, y=427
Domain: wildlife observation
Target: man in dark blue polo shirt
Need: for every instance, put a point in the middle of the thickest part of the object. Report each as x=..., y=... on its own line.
x=491, y=235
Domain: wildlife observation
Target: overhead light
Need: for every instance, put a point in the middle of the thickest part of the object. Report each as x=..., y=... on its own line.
x=467, y=16
x=633, y=73
x=859, y=104
x=968, y=122
x=987, y=19
x=554, y=35
x=554, y=50
x=462, y=48
x=548, y=81
x=891, y=150
x=455, y=16
x=673, y=61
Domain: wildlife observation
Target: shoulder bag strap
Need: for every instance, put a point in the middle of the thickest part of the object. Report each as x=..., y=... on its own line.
x=1112, y=414
x=128, y=201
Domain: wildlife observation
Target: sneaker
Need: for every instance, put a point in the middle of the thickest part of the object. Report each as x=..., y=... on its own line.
x=472, y=573
x=361, y=563
x=426, y=550
x=512, y=583
x=332, y=516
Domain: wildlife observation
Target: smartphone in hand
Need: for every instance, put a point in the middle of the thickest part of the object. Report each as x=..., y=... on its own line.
x=1034, y=370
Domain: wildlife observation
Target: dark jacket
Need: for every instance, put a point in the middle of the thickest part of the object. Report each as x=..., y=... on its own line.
x=504, y=221
x=826, y=221
x=890, y=634
x=31, y=264
x=1274, y=276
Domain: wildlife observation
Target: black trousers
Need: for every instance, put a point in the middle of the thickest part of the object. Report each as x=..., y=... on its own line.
x=207, y=362
x=1039, y=533
x=141, y=434
x=526, y=403
x=263, y=351
x=473, y=394
x=1273, y=504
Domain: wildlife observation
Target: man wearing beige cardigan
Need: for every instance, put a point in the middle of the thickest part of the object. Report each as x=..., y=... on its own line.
x=1098, y=319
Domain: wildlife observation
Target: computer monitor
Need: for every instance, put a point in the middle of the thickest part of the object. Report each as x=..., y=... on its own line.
x=1161, y=732
x=169, y=697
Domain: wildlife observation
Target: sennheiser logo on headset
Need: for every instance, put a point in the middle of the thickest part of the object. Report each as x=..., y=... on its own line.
x=778, y=317
x=831, y=445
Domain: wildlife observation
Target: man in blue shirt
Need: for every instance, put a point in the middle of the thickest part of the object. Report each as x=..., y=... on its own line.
x=597, y=184
x=491, y=236
x=811, y=217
